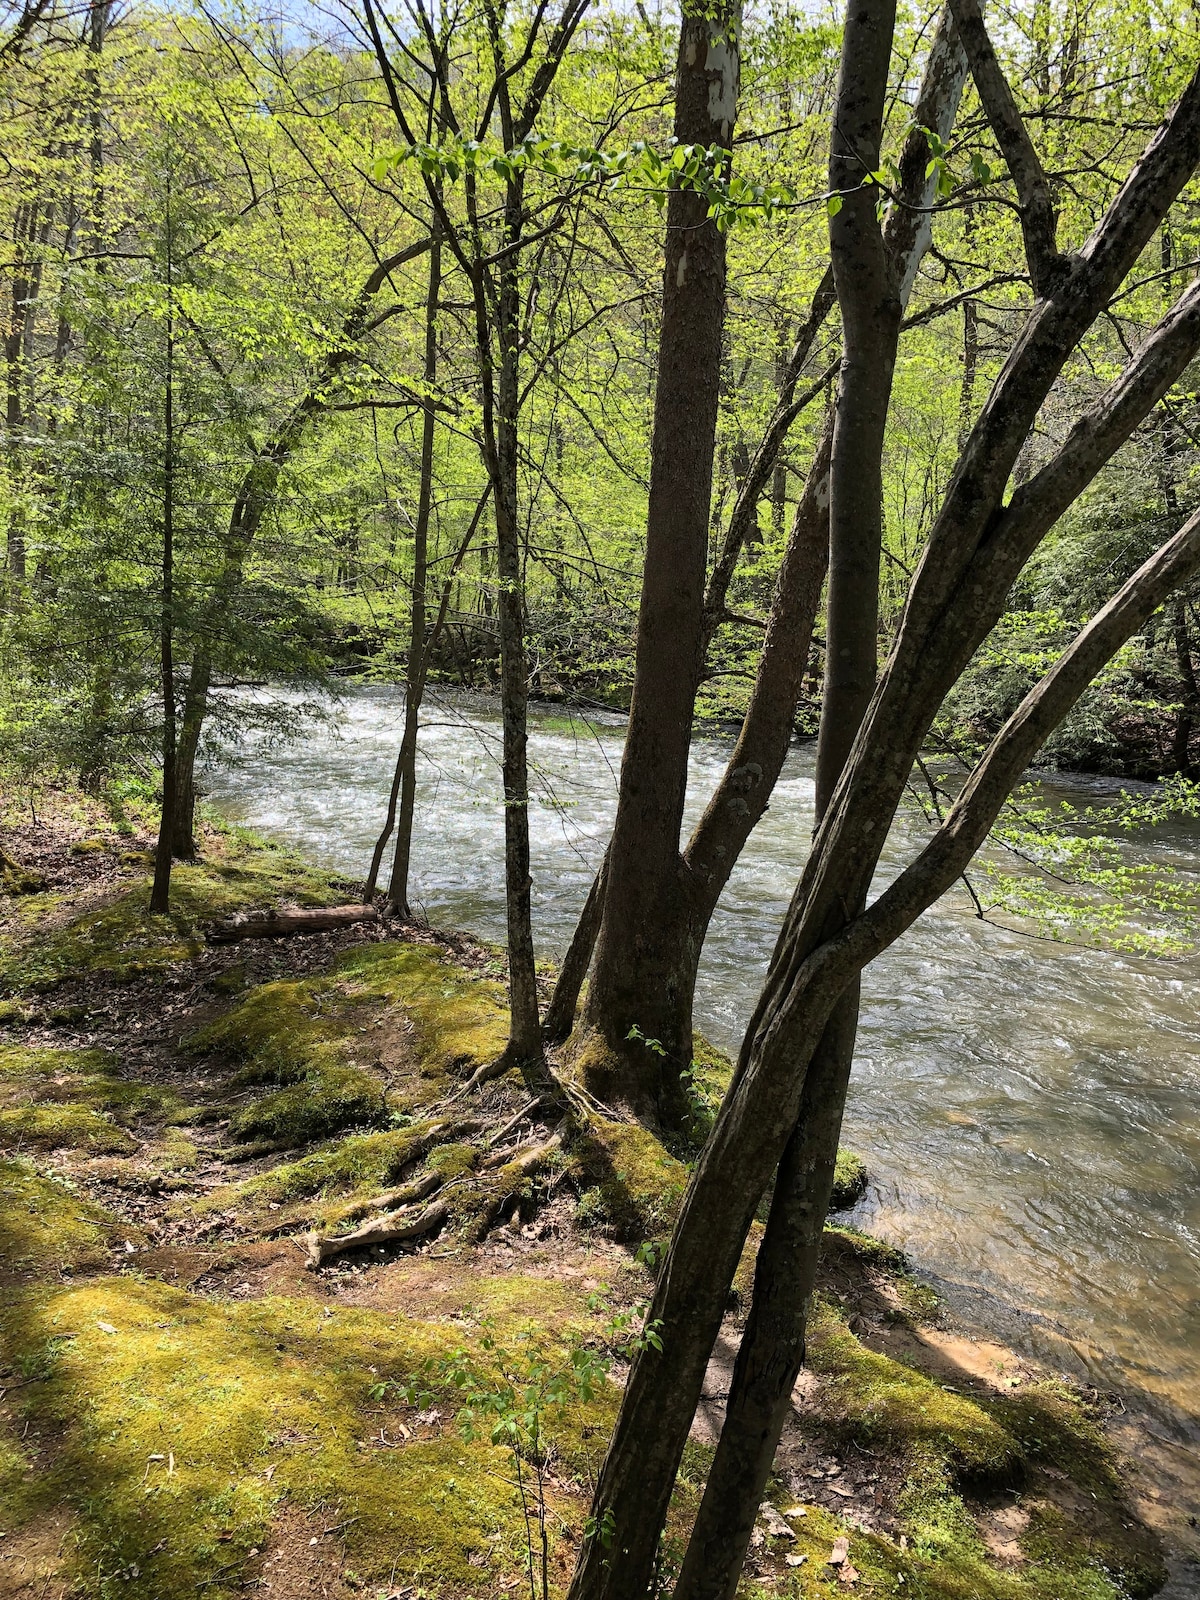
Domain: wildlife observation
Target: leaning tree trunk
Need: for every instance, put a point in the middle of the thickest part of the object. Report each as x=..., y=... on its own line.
x=772, y=1346
x=637, y=982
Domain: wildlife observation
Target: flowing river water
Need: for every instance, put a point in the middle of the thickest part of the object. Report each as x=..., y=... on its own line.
x=1029, y=1111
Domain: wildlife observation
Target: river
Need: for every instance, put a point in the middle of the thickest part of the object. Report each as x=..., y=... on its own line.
x=1029, y=1111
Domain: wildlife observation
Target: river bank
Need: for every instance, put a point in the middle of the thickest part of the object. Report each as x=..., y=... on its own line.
x=1029, y=1106
x=188, y=1402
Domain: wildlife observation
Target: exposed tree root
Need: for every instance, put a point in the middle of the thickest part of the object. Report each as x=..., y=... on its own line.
x=393, y=1199
x=518, y=1168
x=476, y=1200
x=388, y=1230
x=530, y=1110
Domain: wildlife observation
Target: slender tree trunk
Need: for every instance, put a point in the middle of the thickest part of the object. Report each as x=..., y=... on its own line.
x=773, y=1343
x=966, y=398
x=525, y=1036
x=745, y=789
x=560, y=1013
x=772, y=1347
x=160, y=894
x=414, y=678
x=251, y=504
x=635, y=982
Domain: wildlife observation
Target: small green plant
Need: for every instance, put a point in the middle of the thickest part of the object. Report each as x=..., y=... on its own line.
x=507, y=1392
x=655, y=1046
x=701, y=1104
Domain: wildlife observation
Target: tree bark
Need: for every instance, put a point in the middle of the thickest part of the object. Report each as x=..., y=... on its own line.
x=772, y=1346
x=869, y=299
x=634, y=983
x=414, y=681
x=286, y=924
x=560, y=1013
x=745, y=789
x=160, y=893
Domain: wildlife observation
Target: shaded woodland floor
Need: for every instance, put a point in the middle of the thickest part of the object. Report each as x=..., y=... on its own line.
x=190, y=1406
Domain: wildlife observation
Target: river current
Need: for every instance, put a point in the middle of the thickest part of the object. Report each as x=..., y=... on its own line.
x=1029, y=1111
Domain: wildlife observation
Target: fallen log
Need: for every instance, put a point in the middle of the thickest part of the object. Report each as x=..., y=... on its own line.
x=286, y=924
x=388, y=1230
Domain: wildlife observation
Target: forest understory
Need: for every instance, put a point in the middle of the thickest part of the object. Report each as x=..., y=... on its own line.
x=191, y=1405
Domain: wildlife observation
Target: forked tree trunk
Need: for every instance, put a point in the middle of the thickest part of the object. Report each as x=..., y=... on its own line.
x=869, y=279
x=638, y=980
x=744, y=792
x=976, y=547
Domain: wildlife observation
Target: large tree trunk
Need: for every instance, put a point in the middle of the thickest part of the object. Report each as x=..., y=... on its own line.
x=637, y=982
x=743, y=794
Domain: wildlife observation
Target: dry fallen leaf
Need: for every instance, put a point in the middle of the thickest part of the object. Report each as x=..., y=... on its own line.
x=795, y=1561
x=841, y=1548
x=106, y=1327
x=796, y=1511
x=776, y=1526
x=847, y=1574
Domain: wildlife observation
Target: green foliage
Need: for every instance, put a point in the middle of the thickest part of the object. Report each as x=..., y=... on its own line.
x=1081, y=878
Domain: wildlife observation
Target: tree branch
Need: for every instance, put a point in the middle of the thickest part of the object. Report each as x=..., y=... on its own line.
x=1039, y=221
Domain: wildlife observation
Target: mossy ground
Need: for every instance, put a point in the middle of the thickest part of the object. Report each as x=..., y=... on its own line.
x=225, y=1427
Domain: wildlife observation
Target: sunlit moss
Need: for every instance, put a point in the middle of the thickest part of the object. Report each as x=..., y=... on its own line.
x=185, y=1423
x=459, y=1021
x=631, y=1183
x=330, y=1098
x=121, y=940
x=60, y=1098
x=45, y=1226
x=277, y=1030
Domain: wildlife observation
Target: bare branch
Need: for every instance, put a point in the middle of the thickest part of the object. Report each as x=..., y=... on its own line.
x=1039, y=221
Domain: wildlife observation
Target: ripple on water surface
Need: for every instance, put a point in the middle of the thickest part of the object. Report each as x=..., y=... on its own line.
x=1029, y=1110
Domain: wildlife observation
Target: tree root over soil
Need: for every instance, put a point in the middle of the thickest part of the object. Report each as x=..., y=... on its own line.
x=512, y=1167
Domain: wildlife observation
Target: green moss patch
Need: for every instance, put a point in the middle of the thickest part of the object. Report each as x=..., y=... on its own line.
x=849, y=1180
x=45, y=1226
x=631, y=1183
x=459, y=1022
x=121, y=940
x=329, y=1099
x=72, y=1098
x=870, y=1400
x=58, y=1127
x=1039, y=1450
x=182, y=1425
x=334, y=1182
x=280, y=1030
